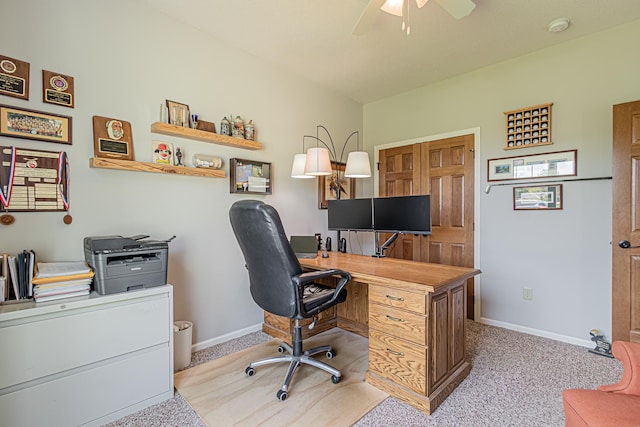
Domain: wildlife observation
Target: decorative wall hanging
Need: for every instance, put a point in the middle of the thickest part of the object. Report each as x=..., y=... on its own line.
x=30, y=124
x=559, y=163
x=537, y=197
x=249, y=176
x=112, y=138
x=57, y=89
x=14, y=77
x=530, y=126
x=328, y=186
x=33, y=180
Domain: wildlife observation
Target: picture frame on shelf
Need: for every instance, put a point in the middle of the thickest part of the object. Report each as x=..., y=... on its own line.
x=179, y=114
x=537, y=197
x=250, y=176
x=327, y=186
x=112, y=138
x=558, y=163
x=37, y=125
x=162, y=153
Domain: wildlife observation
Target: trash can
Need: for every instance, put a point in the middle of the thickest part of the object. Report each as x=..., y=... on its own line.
x=182, y=335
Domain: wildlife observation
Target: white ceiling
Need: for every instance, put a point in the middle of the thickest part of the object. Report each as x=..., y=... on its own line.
x=313, y=37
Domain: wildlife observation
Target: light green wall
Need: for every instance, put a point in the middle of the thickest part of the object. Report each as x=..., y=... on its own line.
x=564, y=256
x=127, y=59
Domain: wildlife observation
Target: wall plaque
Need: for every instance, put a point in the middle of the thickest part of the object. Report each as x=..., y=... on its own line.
x=112, y=138
x=14, y=77
x=57, y=89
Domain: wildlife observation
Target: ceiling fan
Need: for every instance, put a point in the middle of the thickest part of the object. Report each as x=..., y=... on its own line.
x=456, y=8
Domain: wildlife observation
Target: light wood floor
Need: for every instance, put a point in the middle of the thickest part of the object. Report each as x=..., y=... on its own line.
x=222, y=394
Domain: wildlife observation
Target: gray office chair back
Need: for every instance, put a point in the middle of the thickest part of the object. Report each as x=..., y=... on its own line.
x=268, y=256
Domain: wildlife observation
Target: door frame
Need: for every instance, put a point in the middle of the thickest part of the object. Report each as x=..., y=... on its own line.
x=476, y=194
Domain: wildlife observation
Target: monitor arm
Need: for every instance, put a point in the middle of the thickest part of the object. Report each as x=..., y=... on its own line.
x=380, y=249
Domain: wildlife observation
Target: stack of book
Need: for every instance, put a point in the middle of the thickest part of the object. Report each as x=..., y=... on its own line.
x=56, y=280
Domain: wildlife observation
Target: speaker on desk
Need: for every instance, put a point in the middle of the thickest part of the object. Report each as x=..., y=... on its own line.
x=342, y=245
x=327, y=244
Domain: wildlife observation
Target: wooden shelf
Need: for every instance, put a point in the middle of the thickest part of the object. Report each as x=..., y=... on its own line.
x=200, y=135
x=130, y=165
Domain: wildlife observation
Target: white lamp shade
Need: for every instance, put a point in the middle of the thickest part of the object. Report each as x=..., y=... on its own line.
x=318, y=162
x=358, y=165
x=393, y=7
x=297, y=170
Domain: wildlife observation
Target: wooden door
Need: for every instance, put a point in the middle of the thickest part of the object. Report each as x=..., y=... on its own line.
x=626, y=222
x=399, y=175
x=445, y=170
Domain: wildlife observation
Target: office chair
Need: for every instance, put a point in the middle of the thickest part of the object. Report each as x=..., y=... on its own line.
x=279, y=286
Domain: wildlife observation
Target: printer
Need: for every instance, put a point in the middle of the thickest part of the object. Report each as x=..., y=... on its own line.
x=123, y=264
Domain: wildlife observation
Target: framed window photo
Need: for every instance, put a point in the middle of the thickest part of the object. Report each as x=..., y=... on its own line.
x=559, y=163
x=38, y=125
x=328, y=186
x=542, y=197
x=249, y=176
x=179, y=114
x=112, y=138
x=162, y=153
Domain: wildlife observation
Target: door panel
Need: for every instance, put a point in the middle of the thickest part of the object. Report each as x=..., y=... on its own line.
x=443, y=169
x=626, y=222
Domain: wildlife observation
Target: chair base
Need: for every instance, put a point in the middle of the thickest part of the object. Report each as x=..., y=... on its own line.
x=297, y=357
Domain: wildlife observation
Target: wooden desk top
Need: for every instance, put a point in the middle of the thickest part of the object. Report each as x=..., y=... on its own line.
x=399, y=273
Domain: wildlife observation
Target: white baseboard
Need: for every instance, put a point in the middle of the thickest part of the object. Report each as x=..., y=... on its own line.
x=226, y=337
x=536, y=332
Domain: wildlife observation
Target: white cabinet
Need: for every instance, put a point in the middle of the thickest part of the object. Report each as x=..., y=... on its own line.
x=85, y=361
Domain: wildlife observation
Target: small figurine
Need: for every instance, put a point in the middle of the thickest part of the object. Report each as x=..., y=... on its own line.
x=603, y=348
x=238, y=127
x=179, y=157
x=249, y=131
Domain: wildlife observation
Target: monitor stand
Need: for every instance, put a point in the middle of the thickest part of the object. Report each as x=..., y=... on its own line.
x=380, y=249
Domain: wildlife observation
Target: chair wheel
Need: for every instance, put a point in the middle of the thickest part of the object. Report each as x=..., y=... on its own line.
x=280, y=349
x=249, y=371
x=331, y=354
x=335, y=379
x=282, y=395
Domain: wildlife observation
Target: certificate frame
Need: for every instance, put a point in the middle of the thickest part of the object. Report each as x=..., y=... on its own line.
x=544, y=165
x=107, y=144
x=537, y=197
x=31, y=124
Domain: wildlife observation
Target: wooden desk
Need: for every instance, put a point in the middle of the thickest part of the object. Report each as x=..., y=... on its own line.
x=414, y=315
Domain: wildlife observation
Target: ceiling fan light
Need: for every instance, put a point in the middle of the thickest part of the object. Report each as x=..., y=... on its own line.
x=297, y=169
x=393, y=7
x=317, y=162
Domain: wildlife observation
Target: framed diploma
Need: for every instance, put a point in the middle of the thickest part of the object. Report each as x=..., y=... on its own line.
x=57, y=89
x=14, y=77
x=112, y=138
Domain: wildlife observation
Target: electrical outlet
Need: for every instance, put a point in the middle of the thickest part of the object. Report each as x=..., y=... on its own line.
x=527, y=294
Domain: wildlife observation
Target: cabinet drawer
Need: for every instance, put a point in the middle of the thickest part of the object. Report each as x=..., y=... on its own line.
x=397, y=360
x=51, y=344
x=398, y=298
x=399, y=323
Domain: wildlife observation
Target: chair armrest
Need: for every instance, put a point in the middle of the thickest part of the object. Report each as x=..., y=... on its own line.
x=301, y=280
x=629, y=354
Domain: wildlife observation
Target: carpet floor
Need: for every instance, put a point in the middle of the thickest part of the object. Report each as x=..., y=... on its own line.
x=516, y=379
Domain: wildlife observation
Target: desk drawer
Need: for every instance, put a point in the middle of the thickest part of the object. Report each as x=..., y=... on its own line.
x=397, y=360
x=399, y=323
x=398, y=298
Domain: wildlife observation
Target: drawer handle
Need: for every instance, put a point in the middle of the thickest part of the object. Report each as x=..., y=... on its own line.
x=395, y=353
x=395, y=298
x=396, y=319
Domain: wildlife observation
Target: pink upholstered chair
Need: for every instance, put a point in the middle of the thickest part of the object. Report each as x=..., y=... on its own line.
x=610, y=405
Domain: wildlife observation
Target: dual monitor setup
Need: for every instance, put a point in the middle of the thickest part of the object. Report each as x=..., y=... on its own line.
x=397, y=215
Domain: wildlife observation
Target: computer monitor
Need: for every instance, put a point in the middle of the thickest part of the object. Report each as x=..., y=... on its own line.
x=403, y=214
x=350, y=214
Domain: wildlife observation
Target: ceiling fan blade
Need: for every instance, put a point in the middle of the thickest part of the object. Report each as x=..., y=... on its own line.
x=368, y=17
x=457, y=8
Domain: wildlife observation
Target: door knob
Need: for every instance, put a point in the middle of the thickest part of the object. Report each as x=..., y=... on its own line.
x=625, y=244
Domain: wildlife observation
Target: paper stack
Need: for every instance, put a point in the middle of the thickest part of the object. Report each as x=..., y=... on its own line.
x=56, y=280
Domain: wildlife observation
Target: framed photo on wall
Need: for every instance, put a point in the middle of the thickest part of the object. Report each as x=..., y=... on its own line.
x=559, y=163
x=31, y=124
x=537, y=197
x=328, y=186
